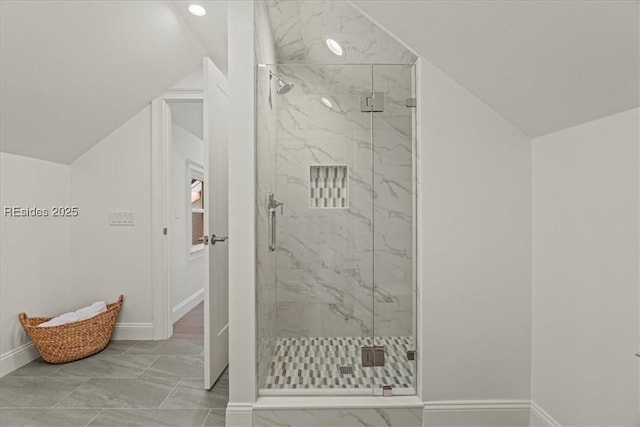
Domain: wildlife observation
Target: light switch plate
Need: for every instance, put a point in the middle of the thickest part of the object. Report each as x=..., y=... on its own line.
x=120, y=218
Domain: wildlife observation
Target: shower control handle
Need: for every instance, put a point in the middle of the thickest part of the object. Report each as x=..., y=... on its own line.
x=272, y=209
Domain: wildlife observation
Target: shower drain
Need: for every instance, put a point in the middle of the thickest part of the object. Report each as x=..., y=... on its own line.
x=346, y=370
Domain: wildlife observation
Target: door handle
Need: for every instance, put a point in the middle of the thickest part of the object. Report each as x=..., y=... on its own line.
x=215, y=239
x=204, y=240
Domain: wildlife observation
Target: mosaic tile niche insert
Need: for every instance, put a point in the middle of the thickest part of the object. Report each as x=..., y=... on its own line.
x=329, y=186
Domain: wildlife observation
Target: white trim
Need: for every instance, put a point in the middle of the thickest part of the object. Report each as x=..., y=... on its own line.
x=475, y=405
x=308, y=402
x=159, y=220
x=162, y=327
x=187, y=305
x=133, y=331
x=16, y=358
x=239, y=414
x=537, y=411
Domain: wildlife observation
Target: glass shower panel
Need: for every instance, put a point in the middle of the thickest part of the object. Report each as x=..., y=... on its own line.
x=314, y=154
x=394, y=228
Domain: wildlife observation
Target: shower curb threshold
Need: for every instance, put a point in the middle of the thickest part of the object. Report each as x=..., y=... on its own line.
x=297, y=402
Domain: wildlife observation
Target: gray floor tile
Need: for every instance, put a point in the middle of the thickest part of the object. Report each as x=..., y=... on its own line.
x=172, y=347
x=46, y=417
x=119, y=393
x=191, y=394
x=176, y=366
x=32, y=392
x=37, y=368
x=216, y=418
x=150, y=417
x=106, y=365
x=118, y=346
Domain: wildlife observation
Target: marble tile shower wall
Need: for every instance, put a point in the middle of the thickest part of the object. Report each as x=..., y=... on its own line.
x=266, y=180
x=326, y=260
x=300, y=27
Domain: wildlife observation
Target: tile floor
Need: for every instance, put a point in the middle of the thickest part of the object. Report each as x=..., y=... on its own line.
x=314, y=363
x=130, y=383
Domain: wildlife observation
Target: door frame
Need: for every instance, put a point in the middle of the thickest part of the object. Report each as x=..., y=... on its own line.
x=160, y=143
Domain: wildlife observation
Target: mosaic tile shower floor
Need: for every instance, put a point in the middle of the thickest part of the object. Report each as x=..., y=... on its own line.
x=315, y=362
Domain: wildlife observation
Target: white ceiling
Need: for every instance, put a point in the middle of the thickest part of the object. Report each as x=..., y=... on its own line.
x=73, y=71
x=210, y=30
x=544, y=65
x=188, y=115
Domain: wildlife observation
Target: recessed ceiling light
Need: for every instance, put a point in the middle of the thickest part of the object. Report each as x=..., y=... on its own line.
x=197, y=10
x=326, y=102
x=334, y=47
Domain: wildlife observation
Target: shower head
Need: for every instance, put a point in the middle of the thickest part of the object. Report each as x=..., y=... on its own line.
x=283, y=86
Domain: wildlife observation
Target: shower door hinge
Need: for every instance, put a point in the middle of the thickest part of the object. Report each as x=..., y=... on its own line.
x=411, y=102
x=411, y=355
x=372, y=102
x=387, y=391
x=372, y=356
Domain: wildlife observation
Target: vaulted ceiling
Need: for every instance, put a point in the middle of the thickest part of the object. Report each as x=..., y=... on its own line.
x=73, y=71
x=544, y=65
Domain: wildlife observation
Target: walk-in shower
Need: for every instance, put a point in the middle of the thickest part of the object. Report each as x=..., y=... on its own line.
x=335, y=208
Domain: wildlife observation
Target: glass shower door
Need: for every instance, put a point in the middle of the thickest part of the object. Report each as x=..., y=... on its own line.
x=318, y=162
x=394, y=184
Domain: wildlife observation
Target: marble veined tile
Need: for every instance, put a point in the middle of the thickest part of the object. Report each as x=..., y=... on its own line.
x=106, y=365
x=300, y=28
x=378, y=417
x=176, y=366
x=119, y=393
x=172, y=347
x=150, y=417
x=36, y=368
x=32, y=392
x=191, y=394
x=216, y=418
x=33, y=417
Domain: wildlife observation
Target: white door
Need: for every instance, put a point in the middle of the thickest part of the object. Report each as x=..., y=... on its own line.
x=216, y=307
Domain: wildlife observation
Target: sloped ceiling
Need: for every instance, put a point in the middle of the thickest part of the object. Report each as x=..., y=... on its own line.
x=188, y=115
x=73, y=71
x=544, y=65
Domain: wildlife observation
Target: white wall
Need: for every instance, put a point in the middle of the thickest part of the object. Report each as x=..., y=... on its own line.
x=185, y=270
x=35, y=261
x=476, y=239
x=242, y=277
x=585, y=272
x=106, y=260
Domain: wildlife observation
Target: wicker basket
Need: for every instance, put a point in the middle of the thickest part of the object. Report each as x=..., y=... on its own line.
x=75, y=340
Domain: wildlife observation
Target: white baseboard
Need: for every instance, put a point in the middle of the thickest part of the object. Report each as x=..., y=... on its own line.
x=477, y=413
x=20, y=356
x=540, y=417
x=239, y=414
x=133, y=331
x=186, y=306
x=16, y=358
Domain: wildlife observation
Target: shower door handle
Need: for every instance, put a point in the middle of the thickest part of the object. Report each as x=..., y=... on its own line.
x=272, y=205
x=272, y=229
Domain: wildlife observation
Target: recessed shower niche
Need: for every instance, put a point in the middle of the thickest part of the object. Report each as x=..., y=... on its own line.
x=329, y=186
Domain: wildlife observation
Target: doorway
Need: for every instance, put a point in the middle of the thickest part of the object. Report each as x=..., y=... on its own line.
x=185, y=231
x=190, y=249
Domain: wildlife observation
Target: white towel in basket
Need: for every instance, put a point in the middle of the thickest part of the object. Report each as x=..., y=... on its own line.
x=74, y=316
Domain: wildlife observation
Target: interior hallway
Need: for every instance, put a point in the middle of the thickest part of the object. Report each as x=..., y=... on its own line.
x=130, y=383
